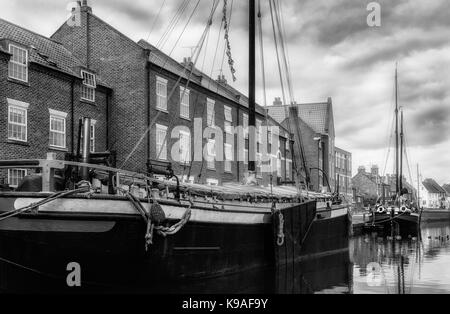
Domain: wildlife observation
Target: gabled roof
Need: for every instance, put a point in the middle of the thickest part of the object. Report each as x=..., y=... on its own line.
x=432, y=186
x=316, y=115
x=446, y=187
x=164, y=61
x=42, y=50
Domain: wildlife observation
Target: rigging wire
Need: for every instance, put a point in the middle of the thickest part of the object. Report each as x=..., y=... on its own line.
x=156, y=19
x=280, y=71
x=197, y=53
x=172, y=23
x=185, y=26
x=282, y=42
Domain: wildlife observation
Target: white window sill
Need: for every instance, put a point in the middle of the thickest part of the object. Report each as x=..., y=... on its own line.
x=185, y=118
x=162, y=110
x=87, y=101
x=61, y=149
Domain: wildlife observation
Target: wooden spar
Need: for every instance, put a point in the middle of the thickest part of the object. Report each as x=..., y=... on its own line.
x=251, y=88
x=396, y=134
x=418, y=187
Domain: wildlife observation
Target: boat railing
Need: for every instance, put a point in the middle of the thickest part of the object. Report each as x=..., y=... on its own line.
x=50, y=166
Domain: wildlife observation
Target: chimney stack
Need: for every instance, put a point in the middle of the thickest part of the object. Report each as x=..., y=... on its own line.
x=85, y=7
x=277, y=102
x=374, y=171
x=222, y=80
x=361, y=169
x=187, y=62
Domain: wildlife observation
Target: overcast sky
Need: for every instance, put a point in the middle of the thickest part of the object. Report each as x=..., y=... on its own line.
x=333, y=53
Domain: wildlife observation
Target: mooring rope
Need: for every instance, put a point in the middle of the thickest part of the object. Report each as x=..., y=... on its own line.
x=48, y=199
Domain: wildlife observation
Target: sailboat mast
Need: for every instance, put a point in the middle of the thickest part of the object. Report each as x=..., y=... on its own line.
x=418, y=187
x=396, y=133
x=251, y=87
x=401, y=151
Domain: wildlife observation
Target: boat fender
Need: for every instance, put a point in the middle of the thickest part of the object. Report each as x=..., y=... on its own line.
x=381, y=210
x=157, y=215
x=404, y=209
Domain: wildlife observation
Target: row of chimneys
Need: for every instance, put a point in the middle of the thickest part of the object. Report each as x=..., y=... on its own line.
x=373, y=171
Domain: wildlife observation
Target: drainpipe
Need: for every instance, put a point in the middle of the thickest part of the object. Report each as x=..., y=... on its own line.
x=86, y=147
x=147, y=102
x=72, y=118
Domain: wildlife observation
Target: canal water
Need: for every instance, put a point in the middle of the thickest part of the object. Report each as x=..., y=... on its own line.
x=381, y=266
x=409, y=266
x=371, y=265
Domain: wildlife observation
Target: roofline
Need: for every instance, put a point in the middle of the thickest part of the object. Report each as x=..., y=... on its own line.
x=109, y=25
x=33, y=32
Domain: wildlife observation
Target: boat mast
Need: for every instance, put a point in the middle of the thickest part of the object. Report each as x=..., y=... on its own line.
x=396, y=134
x=251, y=88
x=401, y=152
x=418, y=187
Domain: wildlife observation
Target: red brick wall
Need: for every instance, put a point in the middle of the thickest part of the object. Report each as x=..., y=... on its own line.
x=121, y=63
x=46, y=89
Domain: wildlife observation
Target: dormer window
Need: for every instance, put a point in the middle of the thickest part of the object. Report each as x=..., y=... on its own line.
x=88, y=87
x=18, y=64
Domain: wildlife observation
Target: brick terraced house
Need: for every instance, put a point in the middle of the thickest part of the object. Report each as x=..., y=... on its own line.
x=44, y=91
x=315, y=122
x=139, y=97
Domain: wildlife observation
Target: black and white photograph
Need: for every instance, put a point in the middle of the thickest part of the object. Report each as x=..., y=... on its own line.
x=208, y=148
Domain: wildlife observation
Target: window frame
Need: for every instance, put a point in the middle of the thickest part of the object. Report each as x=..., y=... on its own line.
x=85, y=85
x=210, y=111
x=159, y=155
x=18, y=105
x=188, y=135
x=245, y=124
x=211, y=164
x=58, y=115
x=17, y=63
x=228, y=162
x=163, y=82
x=9, y=176
x=184, y=92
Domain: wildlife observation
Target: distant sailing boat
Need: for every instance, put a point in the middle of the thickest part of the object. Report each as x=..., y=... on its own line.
x=136, y=232
x=396, y=215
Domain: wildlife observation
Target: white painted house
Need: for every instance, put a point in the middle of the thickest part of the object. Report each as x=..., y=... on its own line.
x=432, y=195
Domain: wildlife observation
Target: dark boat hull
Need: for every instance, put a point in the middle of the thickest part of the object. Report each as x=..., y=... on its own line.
x=403, y=224
x=35, y=251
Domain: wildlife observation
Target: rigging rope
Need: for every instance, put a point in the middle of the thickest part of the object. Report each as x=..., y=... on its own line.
x=280, y=71
x=173, y=22
x=197, y=53
x=156, y=19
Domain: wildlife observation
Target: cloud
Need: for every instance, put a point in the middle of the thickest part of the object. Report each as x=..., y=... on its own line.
x=333, y=53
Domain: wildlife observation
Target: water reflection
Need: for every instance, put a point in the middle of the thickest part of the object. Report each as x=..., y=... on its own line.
x=372, y=264
x=402, y=267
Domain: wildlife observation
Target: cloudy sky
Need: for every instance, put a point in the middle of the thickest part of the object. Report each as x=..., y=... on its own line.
x=333, y=53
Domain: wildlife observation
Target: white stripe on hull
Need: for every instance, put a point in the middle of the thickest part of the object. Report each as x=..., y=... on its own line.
x=212, y=214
